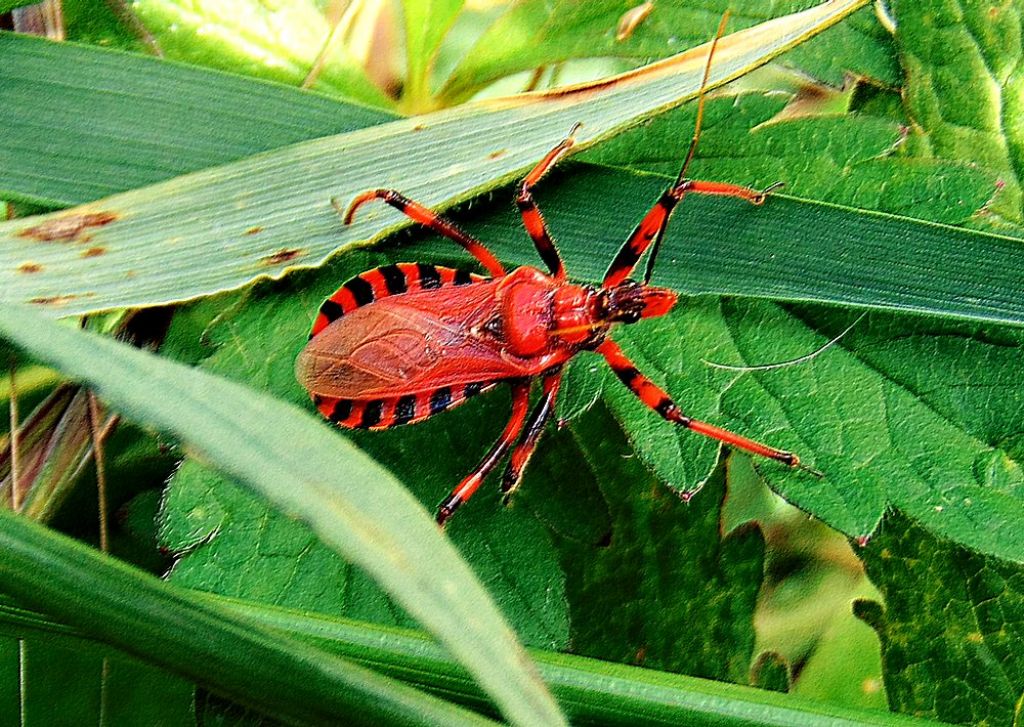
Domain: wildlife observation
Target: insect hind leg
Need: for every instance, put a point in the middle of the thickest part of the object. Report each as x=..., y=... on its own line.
x=655, y=398
x=531, y=436
x=470, y=484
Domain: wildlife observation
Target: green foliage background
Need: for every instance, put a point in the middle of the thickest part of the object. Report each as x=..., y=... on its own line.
x=914, y=417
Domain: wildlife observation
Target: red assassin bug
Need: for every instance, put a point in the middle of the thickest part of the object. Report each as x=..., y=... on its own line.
x=400, y=343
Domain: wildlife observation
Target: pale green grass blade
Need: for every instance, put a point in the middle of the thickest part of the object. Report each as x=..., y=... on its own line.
x=221, y=228
x=353, y=504
x=111, y=602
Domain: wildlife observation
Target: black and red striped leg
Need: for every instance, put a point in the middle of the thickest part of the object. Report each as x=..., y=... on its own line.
x=469, y=485
x=652, y=226
x=429, y=219
x=531, y=435
x=532, y=218
x=653, y=396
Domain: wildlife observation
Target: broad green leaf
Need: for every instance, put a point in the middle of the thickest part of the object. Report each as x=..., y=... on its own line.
x=845, y=159
x=951, y=627
x=60, y=683
x=10, y=696
x=426, y=22
x=103, y=24
x=220, y=228
x=277, y=42
x=667, y=591
x=125, y=121
x=535, y=33
x=54, y=676
x=231, y=543
x=593, y=692
x=964, y=86
x=901, y=413
x=120, y=606
x=295, y=462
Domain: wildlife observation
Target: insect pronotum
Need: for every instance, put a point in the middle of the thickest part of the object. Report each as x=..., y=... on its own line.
x=401, y=343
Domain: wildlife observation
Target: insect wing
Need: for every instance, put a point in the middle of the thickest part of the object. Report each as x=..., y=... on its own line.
x=406, y=344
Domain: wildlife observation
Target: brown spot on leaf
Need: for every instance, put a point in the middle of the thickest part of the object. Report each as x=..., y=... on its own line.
x=281, y=256
x=254, y=231
x=419, y=127
x=54, y=300
x=69, y=227
x=94, y=252
x=497, y=154
x=28, y=268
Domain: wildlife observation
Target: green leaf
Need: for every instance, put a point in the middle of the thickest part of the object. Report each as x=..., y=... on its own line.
x=277, y=42
x=536, y=33
x=111, y=132
x=900, y=413
x=123, y=607
x=271, y=212
x=844, y=159
x=138, y=693
x=659, y=549
x=951, y=627
x=964, y=83
x=230, y=543
x=426, y=22
x=48, y=671
x=593, y=692
x=581, y=386
x=295, y=462
x=53, y=676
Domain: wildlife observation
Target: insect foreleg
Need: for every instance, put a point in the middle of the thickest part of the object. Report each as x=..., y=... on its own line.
x=531, y=435
x=652, y=227
x=466, y=488
x=532, y=219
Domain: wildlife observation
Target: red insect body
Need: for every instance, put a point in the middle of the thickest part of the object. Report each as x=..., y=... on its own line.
x=400, y=343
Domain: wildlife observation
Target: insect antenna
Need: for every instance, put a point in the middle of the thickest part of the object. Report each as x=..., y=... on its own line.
x=701, y=93
x=791, y=362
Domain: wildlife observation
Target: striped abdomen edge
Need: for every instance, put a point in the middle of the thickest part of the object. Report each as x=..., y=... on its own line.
x=384, y=282
x=390, y=412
